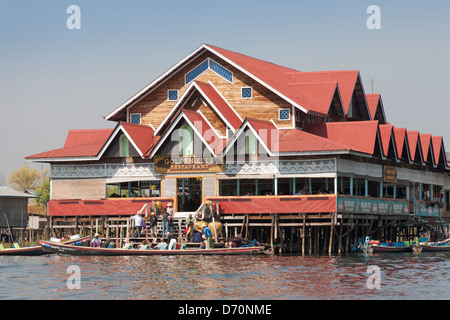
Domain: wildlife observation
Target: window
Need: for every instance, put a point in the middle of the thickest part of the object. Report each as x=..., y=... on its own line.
x=194, y=73
x=221, y=71
x=311, y=118
x=284, y=114
x=124, y=150
x=209, y=64
x=246, y=93
x=172, y=95
x=186, y=141
x=135, y=118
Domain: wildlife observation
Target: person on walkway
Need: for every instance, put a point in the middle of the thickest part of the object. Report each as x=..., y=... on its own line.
x=190, y=220
x=165, y=223
x=172, y=239
x=208, y=236
x=153, y=220
x=171, y=213
x=137, y=222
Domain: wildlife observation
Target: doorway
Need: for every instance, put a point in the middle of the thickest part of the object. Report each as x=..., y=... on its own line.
x=189, y=193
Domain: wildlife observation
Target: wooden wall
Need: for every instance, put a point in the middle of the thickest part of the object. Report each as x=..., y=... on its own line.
x=264, y=105
x=16, y=210
x=78, y=189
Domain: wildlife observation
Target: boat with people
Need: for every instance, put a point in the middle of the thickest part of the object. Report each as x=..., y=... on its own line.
x=17, y=250
x=64, y=249
x=438, y=246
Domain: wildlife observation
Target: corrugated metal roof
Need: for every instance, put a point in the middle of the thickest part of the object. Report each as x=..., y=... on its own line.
x=6, y=192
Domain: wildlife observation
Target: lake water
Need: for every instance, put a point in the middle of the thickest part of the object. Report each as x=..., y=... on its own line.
x=402, y=276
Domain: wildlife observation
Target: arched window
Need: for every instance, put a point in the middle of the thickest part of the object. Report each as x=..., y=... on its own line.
x=124, y=149
x=186, y=141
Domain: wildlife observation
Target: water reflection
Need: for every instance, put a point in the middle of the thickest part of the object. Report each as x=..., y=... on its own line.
x=403, y=276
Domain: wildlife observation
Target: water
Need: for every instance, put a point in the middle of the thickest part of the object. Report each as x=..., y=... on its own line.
x=403, y=276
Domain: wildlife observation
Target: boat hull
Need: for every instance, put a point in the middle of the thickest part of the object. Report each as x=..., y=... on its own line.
x=50, y=247
x=24, y=251
x=434, y=248
x=380, y=248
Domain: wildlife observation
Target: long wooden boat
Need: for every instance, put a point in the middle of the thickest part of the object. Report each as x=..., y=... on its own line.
x=436, y=246
x=61, y=248
x=36, y=250
x=390, y=247
x=22, y=251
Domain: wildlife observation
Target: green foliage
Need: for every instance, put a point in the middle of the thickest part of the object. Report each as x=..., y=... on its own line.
x=43, y=191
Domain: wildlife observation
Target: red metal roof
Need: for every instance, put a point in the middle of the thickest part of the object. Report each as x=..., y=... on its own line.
x=413, y=140
x=385, y=135
x=360, y=136
x=79, y=143
x=425, y=142
x=346, y=80
x=141, y=136
x=285, y=80
x=372, y=103
x=319, y=95
x=207, y=132
x=265, y=130
x=400, y=136
x=300, y=141
x=227, y=112
x=436, y=142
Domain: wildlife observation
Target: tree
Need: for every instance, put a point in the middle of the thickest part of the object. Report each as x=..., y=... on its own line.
x=43, y=191
x=25, y=179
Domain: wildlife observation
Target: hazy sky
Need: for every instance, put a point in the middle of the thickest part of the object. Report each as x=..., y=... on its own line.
x=53, y=79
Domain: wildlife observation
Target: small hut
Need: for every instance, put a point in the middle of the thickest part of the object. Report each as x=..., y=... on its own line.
x=13, y=211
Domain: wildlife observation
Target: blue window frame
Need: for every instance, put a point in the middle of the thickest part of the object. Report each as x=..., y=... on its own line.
x=198, y=70
x=221, y=71
x=209, y=64
x=284, y=114
x=246, y=93
x=135, y=118
x=172, y=95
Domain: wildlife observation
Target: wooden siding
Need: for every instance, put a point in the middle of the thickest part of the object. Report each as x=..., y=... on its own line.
x=264, y=105
x=16, y=210
x=78, y=189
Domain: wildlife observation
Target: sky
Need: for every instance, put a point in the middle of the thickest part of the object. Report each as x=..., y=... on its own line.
x=53, y=79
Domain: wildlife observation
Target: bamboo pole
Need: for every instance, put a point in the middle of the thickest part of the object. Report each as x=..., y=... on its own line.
x=331, y=236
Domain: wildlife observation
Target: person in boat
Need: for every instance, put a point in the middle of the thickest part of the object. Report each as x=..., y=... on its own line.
x=162, y=245
x=172, y=239
x=137, y=222
x=96, y=242
x=144, y=245
x=208, y=236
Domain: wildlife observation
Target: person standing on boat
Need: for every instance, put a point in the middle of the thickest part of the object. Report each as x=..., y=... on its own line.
x=137, y=222
x=208, y=235
x=172, y=239
x=96, y=242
